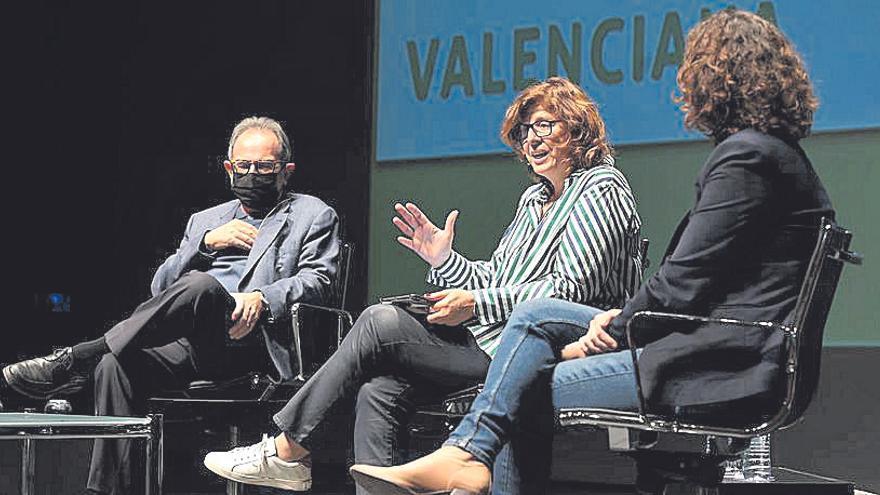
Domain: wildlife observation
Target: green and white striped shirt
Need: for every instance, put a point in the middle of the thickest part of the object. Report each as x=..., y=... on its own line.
x=584, y=249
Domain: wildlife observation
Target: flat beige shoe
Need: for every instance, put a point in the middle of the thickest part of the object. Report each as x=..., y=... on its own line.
x=449, y=470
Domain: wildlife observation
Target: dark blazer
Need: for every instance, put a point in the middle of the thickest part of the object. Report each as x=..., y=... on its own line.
x=740, y=252
x=294, y=259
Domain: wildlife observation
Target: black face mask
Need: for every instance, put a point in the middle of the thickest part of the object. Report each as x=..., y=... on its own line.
x=257, y=192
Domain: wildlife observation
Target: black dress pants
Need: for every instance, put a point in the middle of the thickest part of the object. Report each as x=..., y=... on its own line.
x=388, y=358
x=168, y=341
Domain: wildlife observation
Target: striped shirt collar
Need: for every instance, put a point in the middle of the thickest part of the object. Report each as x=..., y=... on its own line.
x=541, y=193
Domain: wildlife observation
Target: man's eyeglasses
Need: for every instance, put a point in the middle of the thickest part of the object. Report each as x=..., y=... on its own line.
x=260, y=167
x=541, y=128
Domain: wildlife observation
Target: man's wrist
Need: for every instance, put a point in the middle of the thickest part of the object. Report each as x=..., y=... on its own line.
x=203, y=246
x=265, y=302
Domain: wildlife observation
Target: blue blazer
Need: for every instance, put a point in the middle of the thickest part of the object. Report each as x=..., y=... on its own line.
x=294, y=259
x=741, y=252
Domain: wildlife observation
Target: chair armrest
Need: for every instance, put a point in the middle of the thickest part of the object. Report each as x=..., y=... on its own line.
x=683, y=318
x=660, y=316
x=344, y=321
x=459, y=403
x=343, y=315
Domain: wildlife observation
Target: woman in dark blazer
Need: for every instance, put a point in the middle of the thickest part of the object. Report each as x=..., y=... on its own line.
x=740, y=252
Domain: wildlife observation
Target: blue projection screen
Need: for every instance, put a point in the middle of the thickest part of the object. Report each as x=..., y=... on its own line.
x=447, y=70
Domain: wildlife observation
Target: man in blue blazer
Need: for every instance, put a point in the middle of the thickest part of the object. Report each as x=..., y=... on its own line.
x=239, y=267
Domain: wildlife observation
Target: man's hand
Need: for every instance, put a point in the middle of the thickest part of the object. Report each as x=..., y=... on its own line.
x=596, y=341
x=235, y=233
x=451, y=307
x=422, y=236
x=248, y=308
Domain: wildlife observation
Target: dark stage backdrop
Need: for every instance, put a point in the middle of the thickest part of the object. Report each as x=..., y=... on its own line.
x=117, y=115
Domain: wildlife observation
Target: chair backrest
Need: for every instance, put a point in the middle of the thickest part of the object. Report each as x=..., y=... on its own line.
x=638, y=246
x=804, y=340
x=644, y=243
x=340, y=290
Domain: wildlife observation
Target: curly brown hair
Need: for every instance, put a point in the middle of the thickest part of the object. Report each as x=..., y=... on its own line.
x=586, y=136
x=740, y=71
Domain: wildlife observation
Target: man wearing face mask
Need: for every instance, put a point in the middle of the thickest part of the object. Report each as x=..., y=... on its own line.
x=239, y=267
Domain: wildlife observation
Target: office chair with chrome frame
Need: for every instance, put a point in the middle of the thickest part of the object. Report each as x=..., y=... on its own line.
x=688, y=445
x=254, y=396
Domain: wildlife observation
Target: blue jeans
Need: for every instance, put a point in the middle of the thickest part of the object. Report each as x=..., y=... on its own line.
x=510, y=425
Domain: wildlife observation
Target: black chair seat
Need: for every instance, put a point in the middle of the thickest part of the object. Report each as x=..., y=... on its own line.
x=252, y=379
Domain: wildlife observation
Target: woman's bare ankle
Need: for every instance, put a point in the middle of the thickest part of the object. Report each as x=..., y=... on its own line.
x=288, y=450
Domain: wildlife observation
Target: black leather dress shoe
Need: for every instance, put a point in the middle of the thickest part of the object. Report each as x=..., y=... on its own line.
x=45, y=377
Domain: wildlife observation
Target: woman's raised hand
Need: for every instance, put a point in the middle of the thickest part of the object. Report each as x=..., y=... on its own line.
x=423, y=237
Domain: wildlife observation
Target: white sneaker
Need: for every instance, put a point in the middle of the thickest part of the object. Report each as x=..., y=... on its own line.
x=258, y=464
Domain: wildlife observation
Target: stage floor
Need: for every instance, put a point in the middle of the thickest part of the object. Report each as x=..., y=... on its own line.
x=787, y=482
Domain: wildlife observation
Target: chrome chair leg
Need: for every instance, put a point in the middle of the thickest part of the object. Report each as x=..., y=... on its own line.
x=28, y=466
x=155, y=456
x=234, y=487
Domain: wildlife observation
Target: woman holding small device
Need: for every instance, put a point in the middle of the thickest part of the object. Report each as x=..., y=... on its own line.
x=572, y=237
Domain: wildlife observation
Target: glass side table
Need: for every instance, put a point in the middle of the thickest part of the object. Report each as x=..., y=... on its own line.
x=29, y=427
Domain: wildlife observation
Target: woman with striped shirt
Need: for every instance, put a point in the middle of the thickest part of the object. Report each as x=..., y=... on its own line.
x=574, y=247
x=573, y=233
x=572, y=237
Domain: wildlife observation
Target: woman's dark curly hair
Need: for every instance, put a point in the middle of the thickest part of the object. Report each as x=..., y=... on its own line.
x=739, y=71
x=569, y=103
